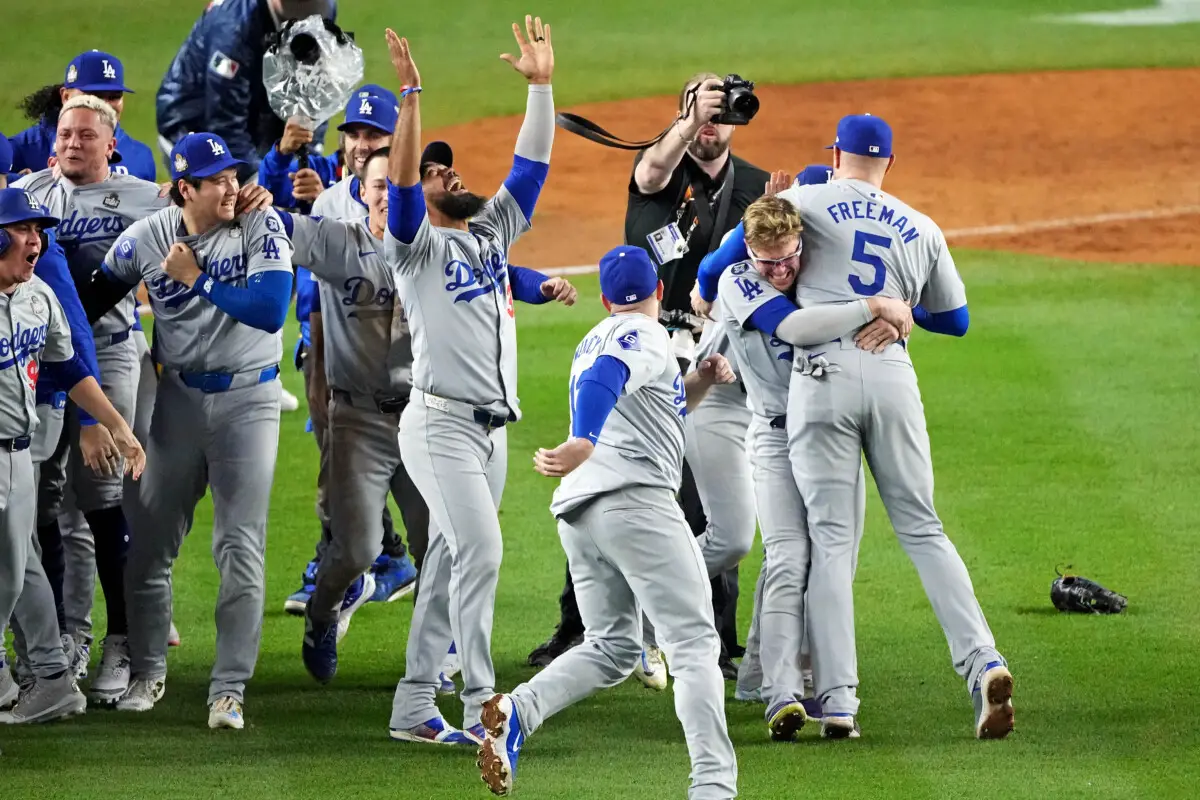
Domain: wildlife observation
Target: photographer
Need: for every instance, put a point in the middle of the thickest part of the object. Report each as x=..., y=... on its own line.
x=690, y=189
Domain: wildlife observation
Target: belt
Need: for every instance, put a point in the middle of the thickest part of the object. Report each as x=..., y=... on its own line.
x=15, y=445
x=384, y=405
x=780, y=422
x=215, y=382
x=109, y=341
x=462, y=410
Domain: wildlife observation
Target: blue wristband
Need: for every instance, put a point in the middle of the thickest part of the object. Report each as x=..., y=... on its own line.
x=410, y=90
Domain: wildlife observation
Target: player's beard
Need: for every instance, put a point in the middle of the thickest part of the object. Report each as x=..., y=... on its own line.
x=462, y=205
x=708, y=151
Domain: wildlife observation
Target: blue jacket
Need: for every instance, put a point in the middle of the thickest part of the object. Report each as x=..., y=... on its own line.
x=34, y=145
x=274, y=169
x=215, y=83
x=52, y=268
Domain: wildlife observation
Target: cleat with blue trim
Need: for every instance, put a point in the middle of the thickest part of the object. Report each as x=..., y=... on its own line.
x=394, y=578
x=785, y=719
x=356, y=597
x=498, y=754
x=447, y=689
x=297, y=601
x=651, y=669
x=226, y=712
x=319, y=649
x=992, y=697
x=432, y=731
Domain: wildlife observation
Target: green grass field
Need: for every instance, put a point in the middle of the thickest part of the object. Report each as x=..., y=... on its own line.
x=1063, y=432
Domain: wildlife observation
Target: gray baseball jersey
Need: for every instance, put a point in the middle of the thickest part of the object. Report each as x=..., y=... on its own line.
x=33, y=328
x=455, y=287
x=642, y=440
x=367, y=345
x=340, y=201
x=93, y=216
x=860, y=241
x=765, y=361
x=191, y=334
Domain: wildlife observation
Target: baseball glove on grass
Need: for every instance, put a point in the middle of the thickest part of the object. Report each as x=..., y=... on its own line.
x=1073, y=593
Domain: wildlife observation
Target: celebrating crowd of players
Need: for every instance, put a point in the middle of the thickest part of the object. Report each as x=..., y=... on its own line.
x=804, y=302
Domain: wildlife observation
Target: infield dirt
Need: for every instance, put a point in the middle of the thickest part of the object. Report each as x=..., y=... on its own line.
x=974, y=151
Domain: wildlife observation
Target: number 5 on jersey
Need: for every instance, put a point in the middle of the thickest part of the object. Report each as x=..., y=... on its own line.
x=861, y=256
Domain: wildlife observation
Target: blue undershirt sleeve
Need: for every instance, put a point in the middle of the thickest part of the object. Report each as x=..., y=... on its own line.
x=262, y=303
x=596, y=394
x=406, y=210
x=527, y=285
x=766, y=318
x=731, y=251
x=67, y=374
x=947, y=323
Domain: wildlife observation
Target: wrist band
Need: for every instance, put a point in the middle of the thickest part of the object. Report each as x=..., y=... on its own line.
x=409, y=90
x=689, y=141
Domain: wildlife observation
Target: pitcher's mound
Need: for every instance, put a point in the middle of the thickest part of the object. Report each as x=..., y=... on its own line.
x=1101, y=165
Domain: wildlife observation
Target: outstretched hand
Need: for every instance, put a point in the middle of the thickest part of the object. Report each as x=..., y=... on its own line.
x=402, y=60
x=564, y=459
x=778, y=182
x=536, y=61
x=559, y=289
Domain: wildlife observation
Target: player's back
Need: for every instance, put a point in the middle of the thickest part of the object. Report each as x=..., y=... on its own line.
x=340, y=201
x=641, y=443
x=860, y=241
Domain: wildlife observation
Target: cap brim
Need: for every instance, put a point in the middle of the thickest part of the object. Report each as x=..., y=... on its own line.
x=213, y=169
x=350, y=123
x=45, y=220
x=103, y=87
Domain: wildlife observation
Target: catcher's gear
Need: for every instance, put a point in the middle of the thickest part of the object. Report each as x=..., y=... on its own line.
x=1073, y=593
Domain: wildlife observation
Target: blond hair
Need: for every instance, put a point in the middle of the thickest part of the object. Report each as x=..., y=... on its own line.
x=106, y=113
x=770, y=220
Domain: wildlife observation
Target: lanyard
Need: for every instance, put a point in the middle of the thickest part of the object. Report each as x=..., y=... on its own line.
x=704, y=211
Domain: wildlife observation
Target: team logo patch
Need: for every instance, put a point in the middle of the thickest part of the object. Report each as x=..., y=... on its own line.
x=739, y=269
x=38, y=304
x=126, y=246
x=223, y=65
x=273, y=224
x=32, y=201
x=111, y=200
x=181, y=164
x=72, y=74
x=629, y=341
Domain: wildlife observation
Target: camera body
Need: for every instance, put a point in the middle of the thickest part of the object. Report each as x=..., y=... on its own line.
x=740, y=103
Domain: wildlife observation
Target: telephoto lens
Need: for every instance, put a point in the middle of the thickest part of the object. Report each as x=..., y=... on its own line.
x=305, y=49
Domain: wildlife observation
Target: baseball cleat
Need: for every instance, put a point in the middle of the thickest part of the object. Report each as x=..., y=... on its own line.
x=451, y=665
x=785, y=719
x=812, y=707
x=143, y=693
x=559, y=642
x=396, y=578
x=476, y=733
x=287, y=401
x=993, y=702
x=357, y=595
x=9, y=691
x=81, y=657
x=226, y=712
x=432, y=731
x=318, y=651
x=112, y=679
x=447, y=689
x=729, y=670
x=839, y=726
x=748, y=695
x=497, y=760
x=173, y=639
x=47, y=700
x=298, y=600
x=651, y=670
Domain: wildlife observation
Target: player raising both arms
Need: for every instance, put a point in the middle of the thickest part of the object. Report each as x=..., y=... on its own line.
x=455, y=284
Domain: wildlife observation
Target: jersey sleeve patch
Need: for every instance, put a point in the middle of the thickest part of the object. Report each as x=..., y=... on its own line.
x=629, y=341
x=126, y=247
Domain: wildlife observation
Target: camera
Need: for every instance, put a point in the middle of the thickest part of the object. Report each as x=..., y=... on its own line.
x=740, y=103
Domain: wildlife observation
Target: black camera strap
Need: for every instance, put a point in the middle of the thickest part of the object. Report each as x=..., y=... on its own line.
x=590, y=130
x=703, y=205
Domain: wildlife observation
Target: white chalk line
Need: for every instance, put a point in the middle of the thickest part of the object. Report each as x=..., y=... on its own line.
x=1014, y=229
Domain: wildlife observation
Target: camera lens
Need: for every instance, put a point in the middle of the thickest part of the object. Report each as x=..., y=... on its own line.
x=743, y=102
x=305, y=49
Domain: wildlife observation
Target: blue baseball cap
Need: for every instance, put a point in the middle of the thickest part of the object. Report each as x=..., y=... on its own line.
x=814, y=173
x=18, y=205
x=201, y=155
x=6, y=154
x=627, y=275
x=863, y=135
x=95, y=71
x=379, y=111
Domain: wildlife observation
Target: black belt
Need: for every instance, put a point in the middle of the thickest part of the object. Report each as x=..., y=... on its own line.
x=780, y=422
x=385, y=405
x=490, y=421
x=15, y=445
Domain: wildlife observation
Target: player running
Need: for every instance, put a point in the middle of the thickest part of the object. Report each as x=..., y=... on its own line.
x=457, y=289
x=219, y=284
x=629, y=548
x=845, y=401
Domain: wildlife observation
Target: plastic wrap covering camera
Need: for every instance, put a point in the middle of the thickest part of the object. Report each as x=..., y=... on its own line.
x=311, y=70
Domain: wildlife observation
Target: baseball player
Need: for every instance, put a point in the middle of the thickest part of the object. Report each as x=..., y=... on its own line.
x=95, y=205
x=628, y=545
x=457, y=291
x=92, y=73
x=220, y=286
x=871, y=405
x=34, y=334
x=765, y=326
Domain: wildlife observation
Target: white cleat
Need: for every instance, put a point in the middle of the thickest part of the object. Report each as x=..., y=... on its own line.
x=112, y=679
x=651, y=669
x=226, y=712
x=9, y=691
x=287, y=400
x=994, y=717
x=840, y=726
x=368, y=589
x=143, y=693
